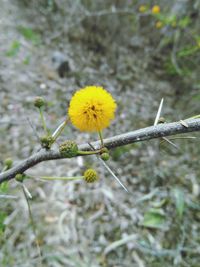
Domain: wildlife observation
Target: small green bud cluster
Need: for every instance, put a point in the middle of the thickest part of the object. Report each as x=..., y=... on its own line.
x=104, y=154
x=8, y=163
x=90, y=176
x=39, y=102
x=20, y=177
x=46, y=141
x=68, y=149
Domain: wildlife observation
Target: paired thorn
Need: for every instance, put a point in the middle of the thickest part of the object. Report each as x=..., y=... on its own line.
x=157, y=120
x=108, y=168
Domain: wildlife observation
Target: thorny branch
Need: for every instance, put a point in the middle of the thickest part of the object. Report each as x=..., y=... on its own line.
x=160, y=130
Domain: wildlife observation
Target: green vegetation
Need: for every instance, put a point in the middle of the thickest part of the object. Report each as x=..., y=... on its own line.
x=30, y=35
x=14, y=49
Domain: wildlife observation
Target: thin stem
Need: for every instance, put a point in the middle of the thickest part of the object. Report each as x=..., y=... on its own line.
x=194, y=117
x=43, y=120
x=33, y=226
x=80, y=152
x=101, y=138
x=49, y=178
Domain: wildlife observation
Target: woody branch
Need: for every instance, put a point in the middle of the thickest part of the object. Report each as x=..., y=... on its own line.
x=152, y=132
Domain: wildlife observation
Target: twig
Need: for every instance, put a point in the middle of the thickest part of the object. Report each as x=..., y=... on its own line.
x=152, y=132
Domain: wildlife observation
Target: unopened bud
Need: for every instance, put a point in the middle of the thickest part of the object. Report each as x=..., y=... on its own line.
x=46, y=141
x=105, y=156
x=20, y=177
x=104, y=150
x=8, y=163
x=68, y=149
x=39, y=102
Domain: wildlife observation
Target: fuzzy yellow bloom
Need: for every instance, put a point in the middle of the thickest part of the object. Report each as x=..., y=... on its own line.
x=90, y=176
x=159, y=24
x=143, y=8
x=91, y=109
x=155, y=9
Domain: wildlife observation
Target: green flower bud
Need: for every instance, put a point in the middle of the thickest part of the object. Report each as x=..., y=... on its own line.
x=39, y=102
x=68, y=149
x=104, y=150
x=46, y=141
x=8, y=163
x=20, y=177
x=161, y=120
x=105, y=156
x=90, y=176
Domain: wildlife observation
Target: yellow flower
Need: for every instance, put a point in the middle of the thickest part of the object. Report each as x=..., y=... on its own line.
x=159, y=24
x=91, y=109
x=90, y=176
x=143, y=8
x=155, y=9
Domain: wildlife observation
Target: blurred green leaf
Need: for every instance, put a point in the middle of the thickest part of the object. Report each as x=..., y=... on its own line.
x=159, y=204
x=178, y=195
x=170, y=19
x=26, y=61
x=187, y=51
x=30, y=35
x=154, y=218
x=14, y=49
x=4, y=187
x=3, y=215
x=166, y=19
x=171, y=69
x=196, y=97
x=184, y=22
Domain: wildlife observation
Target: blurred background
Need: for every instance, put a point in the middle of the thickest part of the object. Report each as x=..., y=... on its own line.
x=140, y=51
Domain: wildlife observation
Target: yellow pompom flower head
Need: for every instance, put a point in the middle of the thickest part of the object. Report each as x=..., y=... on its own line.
x=90, y=176
x=159, y=24
x=155, y=9
x=91, y=109
x=143, y=8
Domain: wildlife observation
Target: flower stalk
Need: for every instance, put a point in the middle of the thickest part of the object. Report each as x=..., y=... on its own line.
x=43, y=120
x=101, y=138
x=80, y=152
x=49, y=178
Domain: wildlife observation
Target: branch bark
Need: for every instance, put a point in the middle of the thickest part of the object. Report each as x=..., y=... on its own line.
x=160, y=130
